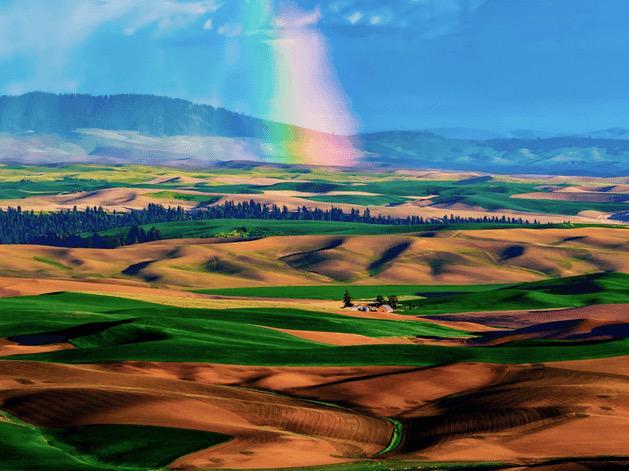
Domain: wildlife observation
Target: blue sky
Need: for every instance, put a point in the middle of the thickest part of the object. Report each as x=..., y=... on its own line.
x=556, y=65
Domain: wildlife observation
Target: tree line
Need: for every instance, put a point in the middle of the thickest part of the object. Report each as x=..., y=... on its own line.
x=84, y=227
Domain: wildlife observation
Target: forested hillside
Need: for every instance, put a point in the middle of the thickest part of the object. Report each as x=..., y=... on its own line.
x=147, y=114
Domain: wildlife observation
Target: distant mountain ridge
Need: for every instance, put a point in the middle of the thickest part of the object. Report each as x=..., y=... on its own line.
x=609, y=133
x=485, y=135
x=148, y=114
x=556, y=155
x=47, y=128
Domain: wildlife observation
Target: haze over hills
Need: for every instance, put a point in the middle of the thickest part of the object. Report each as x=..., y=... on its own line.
x=46, y=128
x=487, y=134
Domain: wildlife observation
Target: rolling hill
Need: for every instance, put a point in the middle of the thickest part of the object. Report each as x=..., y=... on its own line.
x=448, y=257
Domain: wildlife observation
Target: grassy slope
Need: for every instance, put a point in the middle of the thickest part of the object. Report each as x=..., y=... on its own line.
x=24, y=448
x=356, y=291
x=165, y=333
x=124, y=329
x=363, y=200
x=210, y=228
x=26, y=188
x=97, y=447
x=600, y=288
x=59, y=311
x=131, y=445
x=170, y=194
x=584, y=290
x=229, y=189
x=364, y=355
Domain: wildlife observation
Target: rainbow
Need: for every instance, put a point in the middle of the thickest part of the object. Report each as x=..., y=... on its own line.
x=299, y=86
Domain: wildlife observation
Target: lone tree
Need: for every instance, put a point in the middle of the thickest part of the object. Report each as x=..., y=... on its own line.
x=379, y=301
x=393, y=301
x=347, y=300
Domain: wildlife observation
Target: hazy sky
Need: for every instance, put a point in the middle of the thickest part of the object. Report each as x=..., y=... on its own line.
x=560, y=65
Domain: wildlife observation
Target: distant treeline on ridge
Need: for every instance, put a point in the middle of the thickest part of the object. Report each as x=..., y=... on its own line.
x=151, y=115
x=81, y=227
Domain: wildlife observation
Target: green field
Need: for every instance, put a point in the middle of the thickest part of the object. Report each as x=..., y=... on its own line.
x=267, y=227
x=169, y=194
x=578, y=291
x=584, y=290
x=111, y=329
x=130, y=445
x=229, y=189
x=356, y=291
x=26, y=187
x=108, y=327
x=363, y=200
x=25, y=447
x=214, y=227
x=311, y=186
x=488, y=193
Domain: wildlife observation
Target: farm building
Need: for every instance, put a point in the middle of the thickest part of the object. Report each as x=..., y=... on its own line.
x=372, y=308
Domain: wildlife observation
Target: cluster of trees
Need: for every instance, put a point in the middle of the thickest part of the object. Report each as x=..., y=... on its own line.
x=254, y=210
x=380, y=300
x=391, y=300
x=135, y=235
x=81, y=228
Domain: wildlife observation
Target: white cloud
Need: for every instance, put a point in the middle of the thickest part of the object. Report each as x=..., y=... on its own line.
x=266, y=19
x=208, y=25
x=46, y=33
x=355, y=17
x=41, y=25
x=291, y=17
x=167, y=15
x=431, y=18
x=230, y=29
